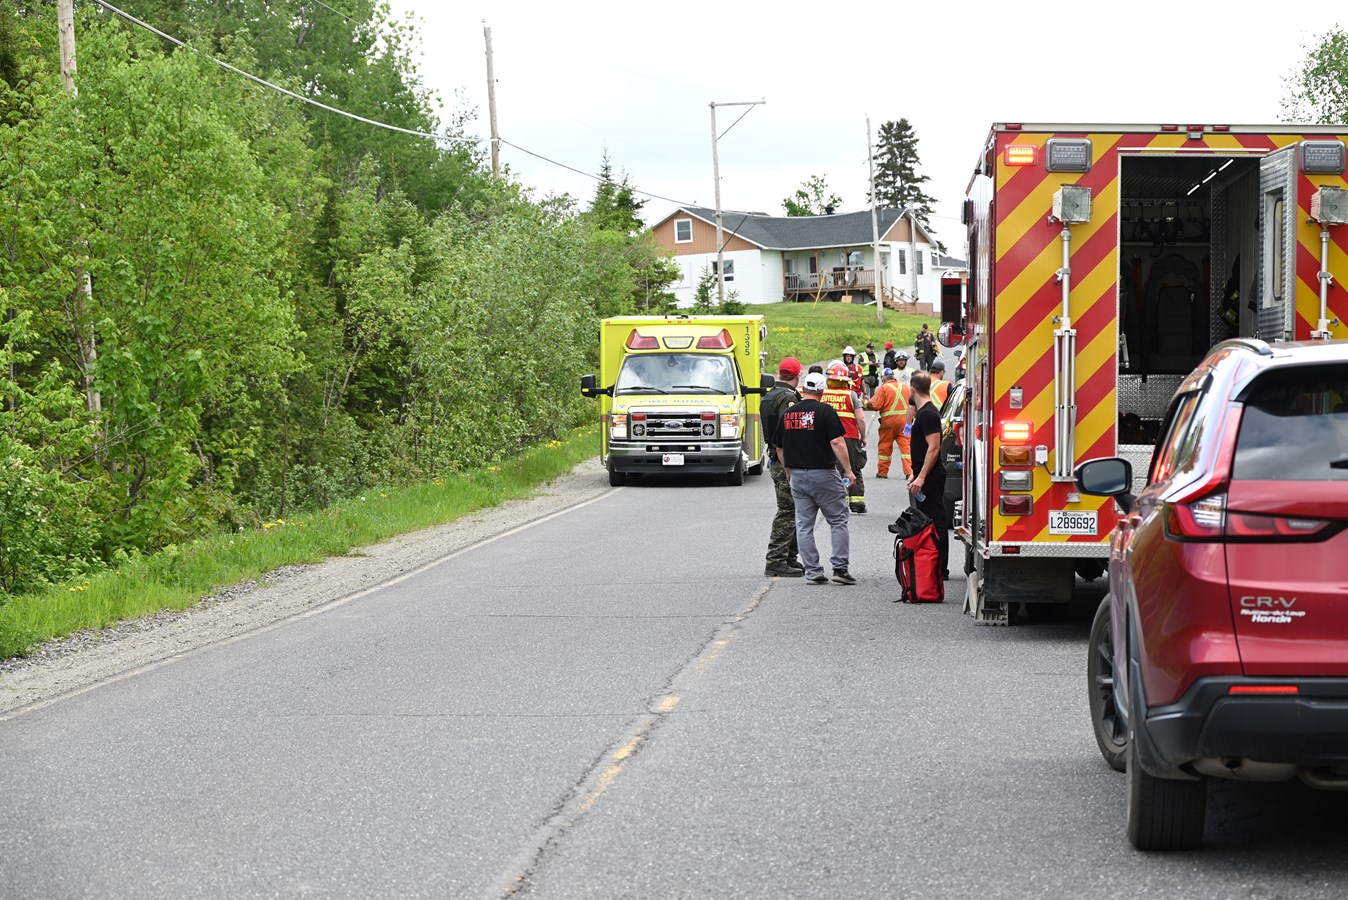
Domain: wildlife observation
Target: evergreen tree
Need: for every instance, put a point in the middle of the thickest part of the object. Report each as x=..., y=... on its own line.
x=1318, y=90
x=615, y=206
x=897, y=183
x=812, y=198
x=704, y=295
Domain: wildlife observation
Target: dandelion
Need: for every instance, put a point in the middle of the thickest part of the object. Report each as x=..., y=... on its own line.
x=382, y=494
x=268, y=524
x=493, y=468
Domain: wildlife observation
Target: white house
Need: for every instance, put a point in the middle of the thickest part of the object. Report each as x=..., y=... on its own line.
x=769, y=259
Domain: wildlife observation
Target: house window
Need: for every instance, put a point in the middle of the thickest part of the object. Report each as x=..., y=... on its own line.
x=683, y=231
x=903, y=262
x=934, y=260
x=854, y=258
x=917, y=258
x=790, y=265
x=814, y=265
x=729, y=269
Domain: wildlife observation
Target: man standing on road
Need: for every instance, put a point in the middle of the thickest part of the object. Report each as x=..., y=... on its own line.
x=870, y=363
x=846, y=404
x=810, y=444
x=891, y=400
x=925, y=347
x=782, y=547
x=940, y=388
x=927, y=484
x=901, y=371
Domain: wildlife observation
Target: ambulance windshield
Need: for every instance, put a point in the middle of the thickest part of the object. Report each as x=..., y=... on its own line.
x=676, y=373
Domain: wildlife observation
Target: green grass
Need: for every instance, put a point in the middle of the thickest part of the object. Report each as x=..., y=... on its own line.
x=817, y=332
x=179, y=576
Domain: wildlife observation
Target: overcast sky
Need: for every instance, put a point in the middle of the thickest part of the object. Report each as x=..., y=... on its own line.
x=576, y=78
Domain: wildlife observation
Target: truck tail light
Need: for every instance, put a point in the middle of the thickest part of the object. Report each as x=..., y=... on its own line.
x=617, y=429
x=1016, y=432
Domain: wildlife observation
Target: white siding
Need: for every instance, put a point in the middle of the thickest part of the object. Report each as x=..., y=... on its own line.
x=749, y=267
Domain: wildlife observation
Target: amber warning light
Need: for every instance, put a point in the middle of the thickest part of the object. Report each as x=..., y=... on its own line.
x=1021, y=154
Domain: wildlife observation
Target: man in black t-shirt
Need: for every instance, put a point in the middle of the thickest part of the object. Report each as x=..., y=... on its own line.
x=810, y=442
x=927, y=484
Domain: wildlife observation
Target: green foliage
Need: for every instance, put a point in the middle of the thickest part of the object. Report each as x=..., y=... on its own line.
x=812, y=198
x=1317, y=91
x=704, y=295
x=897, y=182
x=732, y=305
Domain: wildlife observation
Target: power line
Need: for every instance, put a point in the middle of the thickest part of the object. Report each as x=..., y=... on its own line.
x=595, y=177
x=436, y=137
x=262, y=81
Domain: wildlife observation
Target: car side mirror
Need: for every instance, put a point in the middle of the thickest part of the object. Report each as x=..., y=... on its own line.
x=589, y=387
x=765, y=385
x=1109, y=476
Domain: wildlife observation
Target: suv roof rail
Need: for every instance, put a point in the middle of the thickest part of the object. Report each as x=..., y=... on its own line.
x=1247, y=343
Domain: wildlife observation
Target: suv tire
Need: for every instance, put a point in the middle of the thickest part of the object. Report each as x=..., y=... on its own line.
x=1162, y=813
x=1110, y=734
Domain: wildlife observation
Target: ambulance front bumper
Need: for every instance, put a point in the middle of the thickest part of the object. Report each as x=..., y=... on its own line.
x=702, y=456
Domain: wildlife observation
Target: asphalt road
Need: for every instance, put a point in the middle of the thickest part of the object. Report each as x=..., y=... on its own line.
x=614, y=702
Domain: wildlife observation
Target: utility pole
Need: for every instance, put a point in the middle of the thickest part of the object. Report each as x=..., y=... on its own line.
x=86, y=345
x=875, y=233
x=716, y=177
x=491, y=108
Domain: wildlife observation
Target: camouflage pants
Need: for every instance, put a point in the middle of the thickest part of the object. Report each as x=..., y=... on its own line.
x=782, y=540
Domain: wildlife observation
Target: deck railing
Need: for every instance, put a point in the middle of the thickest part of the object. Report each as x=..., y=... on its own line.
x=837, y=281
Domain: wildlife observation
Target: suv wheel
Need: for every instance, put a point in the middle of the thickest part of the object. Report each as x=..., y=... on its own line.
x=1162, y=813
x=1110, y=735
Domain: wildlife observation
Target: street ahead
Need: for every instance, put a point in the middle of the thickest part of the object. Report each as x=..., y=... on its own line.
x=614, y=702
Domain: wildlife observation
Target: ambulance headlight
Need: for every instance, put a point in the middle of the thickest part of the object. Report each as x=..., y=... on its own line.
x=618, y=428
x=730, y=426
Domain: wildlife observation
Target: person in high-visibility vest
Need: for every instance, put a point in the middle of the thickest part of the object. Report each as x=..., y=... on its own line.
x=840, y=396
x=940, y=388
x=891, y=400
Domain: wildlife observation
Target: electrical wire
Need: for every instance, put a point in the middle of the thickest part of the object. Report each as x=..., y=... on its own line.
x=436, y=137
x=588, y=175
x=251, y=77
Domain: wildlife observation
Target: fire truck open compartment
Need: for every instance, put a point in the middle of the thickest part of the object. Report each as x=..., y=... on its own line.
x=1188, y=263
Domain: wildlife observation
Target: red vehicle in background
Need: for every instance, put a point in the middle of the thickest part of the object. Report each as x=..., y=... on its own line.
x=1222, y=648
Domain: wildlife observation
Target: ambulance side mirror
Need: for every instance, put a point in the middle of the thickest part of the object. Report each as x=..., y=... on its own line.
x=589, y=387
x=765, y=386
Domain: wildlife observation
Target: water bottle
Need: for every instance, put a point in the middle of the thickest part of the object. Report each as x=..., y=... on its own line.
x=846, y=482
x=921, y=496
x=908, y=430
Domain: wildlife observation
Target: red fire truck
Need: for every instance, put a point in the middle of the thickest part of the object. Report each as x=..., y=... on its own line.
x=1105, y=261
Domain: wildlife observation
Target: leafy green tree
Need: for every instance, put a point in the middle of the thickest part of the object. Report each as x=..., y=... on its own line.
x=812, y=198
x=897, y=182
x=1317, y=90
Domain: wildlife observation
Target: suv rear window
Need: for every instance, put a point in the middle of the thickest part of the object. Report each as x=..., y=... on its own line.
x=1295, y=427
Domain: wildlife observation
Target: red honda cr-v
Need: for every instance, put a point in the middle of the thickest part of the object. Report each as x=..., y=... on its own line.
x=1222, y=648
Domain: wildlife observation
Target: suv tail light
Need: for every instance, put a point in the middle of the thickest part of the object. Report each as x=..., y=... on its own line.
x=1208, y=519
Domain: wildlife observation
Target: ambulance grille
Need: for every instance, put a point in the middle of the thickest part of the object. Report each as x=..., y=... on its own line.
x=676, y=426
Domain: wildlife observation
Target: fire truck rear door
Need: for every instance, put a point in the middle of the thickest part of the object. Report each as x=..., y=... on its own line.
x=1278, y=254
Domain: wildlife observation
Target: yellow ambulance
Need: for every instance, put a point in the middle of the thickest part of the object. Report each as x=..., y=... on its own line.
x=680, y=395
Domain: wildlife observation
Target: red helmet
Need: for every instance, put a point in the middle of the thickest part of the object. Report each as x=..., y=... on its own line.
x=838, y=372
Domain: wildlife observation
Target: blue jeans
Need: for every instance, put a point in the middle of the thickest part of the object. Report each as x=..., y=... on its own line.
x=816, y=491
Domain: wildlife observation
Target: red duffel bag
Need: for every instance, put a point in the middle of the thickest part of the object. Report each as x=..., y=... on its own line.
x=917, y=558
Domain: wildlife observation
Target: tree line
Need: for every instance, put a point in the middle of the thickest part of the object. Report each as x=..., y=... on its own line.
x=219, y=305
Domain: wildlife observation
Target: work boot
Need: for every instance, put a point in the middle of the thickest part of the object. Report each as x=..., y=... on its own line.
x=859, y=508
x=783, y=570
x=796, y=564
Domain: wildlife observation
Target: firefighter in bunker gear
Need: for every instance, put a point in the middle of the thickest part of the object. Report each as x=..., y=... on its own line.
x=843, y=399
x=891, y=400
x=854, y=374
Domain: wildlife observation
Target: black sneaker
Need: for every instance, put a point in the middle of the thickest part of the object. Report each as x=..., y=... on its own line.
x=821, y=578
x=842, y=576
x=783, y=570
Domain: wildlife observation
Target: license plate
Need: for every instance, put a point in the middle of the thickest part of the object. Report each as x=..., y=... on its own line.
x=672, y=459
x=1072, y=521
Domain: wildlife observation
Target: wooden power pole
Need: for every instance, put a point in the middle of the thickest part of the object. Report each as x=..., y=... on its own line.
x=84, y=295
x=491, y=107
